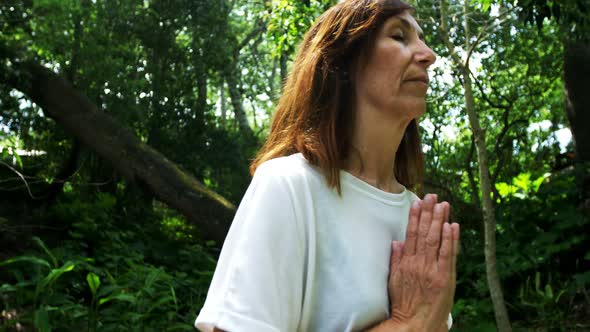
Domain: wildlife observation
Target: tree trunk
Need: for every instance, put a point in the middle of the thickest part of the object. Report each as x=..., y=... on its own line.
x=576, y=68
x=70, y=165
x=472, y=184
x=201, y=91
x=237, y=103
x=222, y=102
x=231, y=76
x=489, y=218
x=133, y=159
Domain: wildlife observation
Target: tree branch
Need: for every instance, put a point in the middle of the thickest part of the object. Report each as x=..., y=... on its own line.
x=135, y=160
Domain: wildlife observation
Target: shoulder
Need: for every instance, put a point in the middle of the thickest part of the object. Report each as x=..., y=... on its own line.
x=292, y=169
x=413, y=197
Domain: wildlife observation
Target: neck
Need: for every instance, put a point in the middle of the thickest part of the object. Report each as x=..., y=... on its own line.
x=376, y=139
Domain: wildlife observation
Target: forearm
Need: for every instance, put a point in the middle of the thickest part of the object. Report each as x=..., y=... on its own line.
x=390, y=325
x=443, y=328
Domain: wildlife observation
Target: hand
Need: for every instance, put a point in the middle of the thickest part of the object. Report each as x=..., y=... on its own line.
x=423, y=268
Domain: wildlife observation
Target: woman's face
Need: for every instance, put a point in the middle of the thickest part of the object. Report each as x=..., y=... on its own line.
x=393, y=78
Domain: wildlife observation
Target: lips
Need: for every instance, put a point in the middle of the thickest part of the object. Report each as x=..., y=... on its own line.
x=421, y=78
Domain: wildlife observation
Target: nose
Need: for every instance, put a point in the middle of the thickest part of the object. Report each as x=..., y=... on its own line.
x=425, y=55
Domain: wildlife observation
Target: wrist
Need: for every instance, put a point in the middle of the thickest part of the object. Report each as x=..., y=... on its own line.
x=405, y=325
x=401, y=319
x=394, y=325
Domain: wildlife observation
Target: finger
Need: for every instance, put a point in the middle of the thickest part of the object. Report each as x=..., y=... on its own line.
x=434, y=234
x=412, y=230
x=447, y=212
x=455, y=234
x=396, y=256
x=445, y=251
x=425, y=221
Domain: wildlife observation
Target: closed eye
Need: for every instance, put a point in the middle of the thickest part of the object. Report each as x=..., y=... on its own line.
x=400, y=38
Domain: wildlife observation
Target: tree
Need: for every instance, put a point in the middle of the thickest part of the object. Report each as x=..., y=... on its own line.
x=482, y=156
x=132, y=158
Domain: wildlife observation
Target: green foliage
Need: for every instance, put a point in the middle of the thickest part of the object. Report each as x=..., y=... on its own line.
x=522, y=186
x=120, y=288
x=540, y=252
x=543, y=299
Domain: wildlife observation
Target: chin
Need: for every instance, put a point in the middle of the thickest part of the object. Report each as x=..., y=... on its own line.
x=412, y=109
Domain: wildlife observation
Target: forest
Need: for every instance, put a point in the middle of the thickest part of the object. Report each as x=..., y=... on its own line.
x=127, y=128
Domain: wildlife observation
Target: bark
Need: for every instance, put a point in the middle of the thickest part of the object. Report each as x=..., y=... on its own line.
x=128, y=155
x=67, y=170
x=576, y=69
x=489, y=217
x=237, y=103
x=231, y=76
x=472, y=184
x=494, y=285
x=201, y=91
x=70, y=165
x=222, y=102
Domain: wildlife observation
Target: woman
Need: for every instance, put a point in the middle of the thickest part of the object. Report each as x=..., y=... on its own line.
x=316, y=244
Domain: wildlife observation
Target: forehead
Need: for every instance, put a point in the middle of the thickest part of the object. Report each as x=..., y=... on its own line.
x=404, y=19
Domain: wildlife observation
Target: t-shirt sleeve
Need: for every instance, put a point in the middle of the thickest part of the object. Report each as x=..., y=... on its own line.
x=258, y=281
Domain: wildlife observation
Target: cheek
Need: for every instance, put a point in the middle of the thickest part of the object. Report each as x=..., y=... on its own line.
x=391, y=58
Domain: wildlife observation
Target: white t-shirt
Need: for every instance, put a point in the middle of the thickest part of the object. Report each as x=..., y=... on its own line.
x=298, y=257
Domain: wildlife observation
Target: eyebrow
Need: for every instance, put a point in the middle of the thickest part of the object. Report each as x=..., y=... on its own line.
x=409, y=26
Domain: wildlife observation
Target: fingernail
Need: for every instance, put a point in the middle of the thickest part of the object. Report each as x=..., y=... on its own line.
x=416, y=205
x=438, y=208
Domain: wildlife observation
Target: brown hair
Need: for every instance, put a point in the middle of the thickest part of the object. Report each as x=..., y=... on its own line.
x=314, y=115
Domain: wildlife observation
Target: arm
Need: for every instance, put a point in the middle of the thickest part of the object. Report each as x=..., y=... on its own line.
x=258, y=280
x=393, y=325
x=390, y=325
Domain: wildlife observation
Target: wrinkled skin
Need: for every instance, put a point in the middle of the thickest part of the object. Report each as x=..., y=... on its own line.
x=423, y=267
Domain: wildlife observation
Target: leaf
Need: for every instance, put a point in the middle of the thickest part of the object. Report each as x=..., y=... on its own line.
x=56, y=273
x=549, y=291
x=160, y=302
x=174, y=297
x=107, y=290
x=93, y=281
x=538, y=182
x=180, y=327
x=538, y=282
x=42, y=320
x=18, y=160
x=120, y=297
x=522, y=181
x=47, y=251
x=152, y=277
x=30, y=259
x=8, y=288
